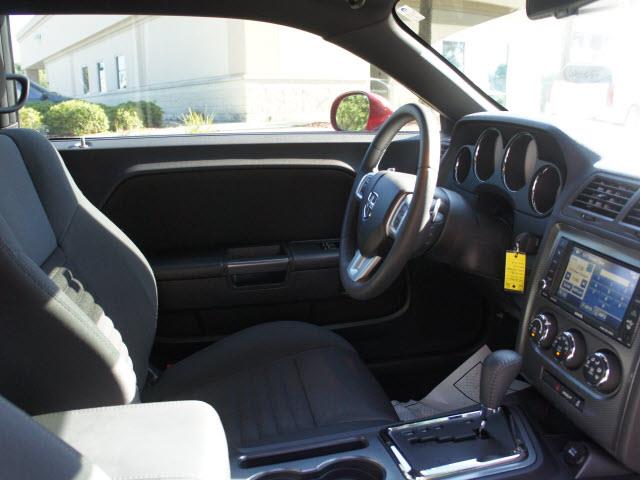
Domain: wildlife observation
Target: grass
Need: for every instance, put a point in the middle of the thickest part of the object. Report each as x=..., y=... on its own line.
x=196, y=122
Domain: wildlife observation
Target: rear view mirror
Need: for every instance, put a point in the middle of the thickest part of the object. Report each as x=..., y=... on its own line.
x=23, y=83
x=359, y=112
x=558, y=8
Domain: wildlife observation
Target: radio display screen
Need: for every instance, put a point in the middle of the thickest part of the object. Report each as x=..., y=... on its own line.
x=597, y=287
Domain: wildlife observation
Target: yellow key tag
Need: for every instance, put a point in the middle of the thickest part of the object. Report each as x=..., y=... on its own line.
x=514, y=271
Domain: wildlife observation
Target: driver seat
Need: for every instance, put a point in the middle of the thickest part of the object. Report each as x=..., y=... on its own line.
x=78, y=308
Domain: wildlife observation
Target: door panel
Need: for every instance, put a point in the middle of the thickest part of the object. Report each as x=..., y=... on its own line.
x=243, y=229
x=206, y=205
x=232, y=227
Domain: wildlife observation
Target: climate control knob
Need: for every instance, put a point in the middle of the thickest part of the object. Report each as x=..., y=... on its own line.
x=602, y=370
x=569, y=348
x=542, y=329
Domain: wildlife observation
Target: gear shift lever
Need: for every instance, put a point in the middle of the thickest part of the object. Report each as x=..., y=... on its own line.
x=499, y=370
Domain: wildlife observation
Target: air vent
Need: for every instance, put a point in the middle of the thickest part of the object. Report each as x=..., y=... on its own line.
x=605, y=196
x=633, y=217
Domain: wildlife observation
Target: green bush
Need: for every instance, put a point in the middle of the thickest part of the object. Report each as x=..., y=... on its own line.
x=41, y=107
x=110, y=112
x=30, y=118
x=353, y=113
x=126, y=118
x=76, y=117
x=149, y=112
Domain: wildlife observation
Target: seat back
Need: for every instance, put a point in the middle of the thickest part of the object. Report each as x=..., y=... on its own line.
x=78, y=300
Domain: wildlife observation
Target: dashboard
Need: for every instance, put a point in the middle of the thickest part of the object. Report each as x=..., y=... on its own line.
x=526, y=170
x=578, y=331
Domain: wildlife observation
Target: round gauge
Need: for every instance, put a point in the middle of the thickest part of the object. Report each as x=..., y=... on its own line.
x=569, y=348
x=544, y=189
x=519, y=161
x=487, y=152
x=463, y=165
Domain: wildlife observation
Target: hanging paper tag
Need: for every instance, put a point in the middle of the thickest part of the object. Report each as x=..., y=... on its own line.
x=514, y=271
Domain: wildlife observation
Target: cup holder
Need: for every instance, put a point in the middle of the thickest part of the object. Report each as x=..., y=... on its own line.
x=348, y=469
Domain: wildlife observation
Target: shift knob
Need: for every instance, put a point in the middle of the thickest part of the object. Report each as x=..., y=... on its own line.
x=499, y=370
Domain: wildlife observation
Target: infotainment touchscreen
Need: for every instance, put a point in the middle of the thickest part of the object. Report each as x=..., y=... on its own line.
x=597, y=287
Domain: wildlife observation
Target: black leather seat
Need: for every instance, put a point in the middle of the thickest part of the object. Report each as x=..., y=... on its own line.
x=78, y=310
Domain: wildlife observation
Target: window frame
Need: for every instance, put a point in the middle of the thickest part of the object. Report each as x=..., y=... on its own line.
x=101, y=70
x=121, y=68
x=86, y=86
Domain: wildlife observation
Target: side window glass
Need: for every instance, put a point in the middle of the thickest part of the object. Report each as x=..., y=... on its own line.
x=123, y=75
x=85, y=80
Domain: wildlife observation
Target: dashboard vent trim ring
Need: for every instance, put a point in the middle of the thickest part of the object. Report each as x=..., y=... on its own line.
x=605, y=196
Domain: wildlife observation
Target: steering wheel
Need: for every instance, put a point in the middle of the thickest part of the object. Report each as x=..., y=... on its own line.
x=387, y=211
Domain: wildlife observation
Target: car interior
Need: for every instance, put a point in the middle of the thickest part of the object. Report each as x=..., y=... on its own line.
x=272, y=305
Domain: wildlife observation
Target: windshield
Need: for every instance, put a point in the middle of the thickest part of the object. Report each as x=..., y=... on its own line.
x=581, y=68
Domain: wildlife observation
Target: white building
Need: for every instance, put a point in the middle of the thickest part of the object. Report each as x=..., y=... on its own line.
x=236, y=70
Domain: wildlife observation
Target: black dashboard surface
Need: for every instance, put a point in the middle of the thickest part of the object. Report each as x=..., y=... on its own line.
x=595, y=203
x=577, y=166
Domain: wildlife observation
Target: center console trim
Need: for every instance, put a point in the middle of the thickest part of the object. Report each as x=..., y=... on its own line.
x=604, y=416
x=522, y=455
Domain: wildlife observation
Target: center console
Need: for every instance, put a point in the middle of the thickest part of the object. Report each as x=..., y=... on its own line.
x=579, y=340
x=471, y=443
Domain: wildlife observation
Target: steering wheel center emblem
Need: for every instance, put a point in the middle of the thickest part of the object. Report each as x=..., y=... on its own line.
x=367, y=211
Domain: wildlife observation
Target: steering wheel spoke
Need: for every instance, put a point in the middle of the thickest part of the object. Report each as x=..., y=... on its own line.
x=398, y=215
x=360, y=267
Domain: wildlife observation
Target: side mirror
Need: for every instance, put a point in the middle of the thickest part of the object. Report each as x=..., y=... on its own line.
x=359, y=112
x=23, y=82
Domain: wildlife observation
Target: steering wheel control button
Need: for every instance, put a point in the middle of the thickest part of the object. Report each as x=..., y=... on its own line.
x=398, y=215
x=569, y=348
x=602, y=371
x=542, y=329
x=364, y=184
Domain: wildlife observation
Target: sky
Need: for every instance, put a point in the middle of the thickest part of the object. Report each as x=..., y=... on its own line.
x=17, y=22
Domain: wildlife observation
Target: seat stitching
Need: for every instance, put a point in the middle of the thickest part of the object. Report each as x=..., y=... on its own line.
x=239, y=405
x=254, y=392
x=306, y=396
x=270, y=392
x=288, y=401
x=215, y=379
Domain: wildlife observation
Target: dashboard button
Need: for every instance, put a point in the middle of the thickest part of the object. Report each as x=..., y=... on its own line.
x=569, y=348
x=578, y=402
x=575, y=453
x=602, y=371
x=542, y=329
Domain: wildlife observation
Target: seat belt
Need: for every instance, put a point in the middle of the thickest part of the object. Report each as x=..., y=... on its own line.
x=4, y=100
